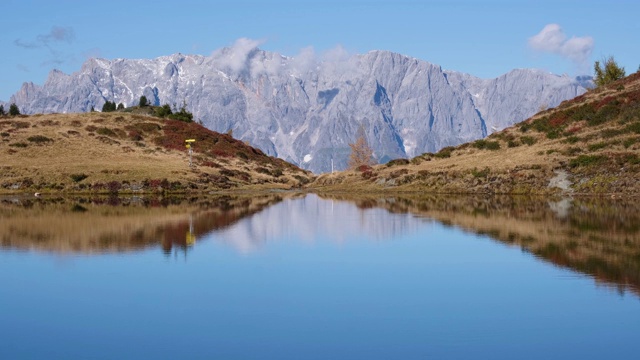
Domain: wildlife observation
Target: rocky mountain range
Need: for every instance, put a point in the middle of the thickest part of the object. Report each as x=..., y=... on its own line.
x=307, y=110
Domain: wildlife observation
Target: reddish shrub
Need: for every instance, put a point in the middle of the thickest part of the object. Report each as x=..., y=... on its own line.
x=558, y=119
x=114, y=186
x=135, y=135
x=574, y=129
x=606, y=100
x=367, y=174
x=633, y=96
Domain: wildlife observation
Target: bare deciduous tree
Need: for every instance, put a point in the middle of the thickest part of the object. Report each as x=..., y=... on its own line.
x=361, y=152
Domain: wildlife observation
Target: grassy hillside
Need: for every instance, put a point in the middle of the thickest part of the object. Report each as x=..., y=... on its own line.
x=588, y=145
x=129, y=152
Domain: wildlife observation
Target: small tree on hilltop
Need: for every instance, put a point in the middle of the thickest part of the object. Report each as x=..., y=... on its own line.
x=109, y=106
x=361, y=152
x=120, y=106
x=2, y=113
x=607, y=72
x=143, y=101
x=182, y=115
x=163, y=111
x=13, y=110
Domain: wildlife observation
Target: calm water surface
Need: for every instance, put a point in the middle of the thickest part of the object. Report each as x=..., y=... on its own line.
x=294, y=277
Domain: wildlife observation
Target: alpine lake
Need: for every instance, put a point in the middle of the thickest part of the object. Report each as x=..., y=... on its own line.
x=305, y=276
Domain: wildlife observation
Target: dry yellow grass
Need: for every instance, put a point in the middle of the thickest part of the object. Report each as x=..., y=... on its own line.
x=100, y=146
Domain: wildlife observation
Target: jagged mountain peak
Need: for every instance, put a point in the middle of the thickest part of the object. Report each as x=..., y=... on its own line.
x=307, y=109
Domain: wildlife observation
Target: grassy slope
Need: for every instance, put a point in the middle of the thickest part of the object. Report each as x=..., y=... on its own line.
x=128, y=152
x=593, y=139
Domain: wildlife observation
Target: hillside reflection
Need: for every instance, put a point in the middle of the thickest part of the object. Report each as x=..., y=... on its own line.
x=594, y=236
x=108, y=225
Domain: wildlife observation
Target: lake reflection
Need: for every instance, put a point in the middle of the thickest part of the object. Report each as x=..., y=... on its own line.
x=104, y=225
x=289, y=276
x=595, y=236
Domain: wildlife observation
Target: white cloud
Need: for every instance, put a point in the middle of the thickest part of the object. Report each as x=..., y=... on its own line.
x=337, y=54
x=240, y=59
x=304, y=62
x=236, y=57
x=339, y=61
x=552, y=39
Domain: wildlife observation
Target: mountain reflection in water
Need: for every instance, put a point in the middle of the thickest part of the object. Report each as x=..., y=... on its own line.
x=594, y=236
x=597, y=237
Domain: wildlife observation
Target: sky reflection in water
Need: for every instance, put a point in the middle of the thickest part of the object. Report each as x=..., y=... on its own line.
x=311, y=278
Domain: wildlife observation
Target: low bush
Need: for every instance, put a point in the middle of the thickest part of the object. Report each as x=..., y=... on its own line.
x=363, y=168
x=397, y=162
x=597, y=146
x=572, y=151
x=263, y=170
x=398, y=173
x=486, y=144
x=21, y=124
x=630, y=141
x=554, y=134
x=632, y=159
x=635, y=127
x=605, y=114
x=135, y=135
x=513, y=143
x=480, y=173
x=106, y=132
x=78, y=177
x=114, y=186
x=368, y=174
x=444, y=152
x=587, y=160
x=39, y=139
x=528, y=140
x=242, y=155
x=572, y=139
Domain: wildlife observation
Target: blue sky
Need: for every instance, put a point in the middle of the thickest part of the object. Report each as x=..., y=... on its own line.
x=482, y=38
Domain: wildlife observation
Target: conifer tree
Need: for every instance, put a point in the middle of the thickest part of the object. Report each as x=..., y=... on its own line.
x=607, y=72
x=13, y=110
x=109, y=106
